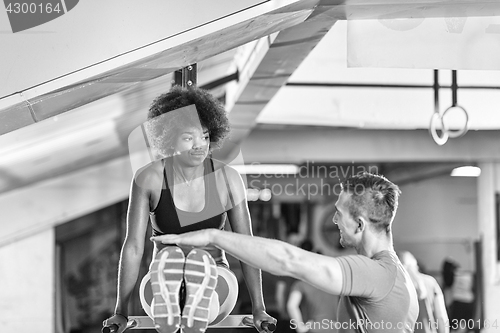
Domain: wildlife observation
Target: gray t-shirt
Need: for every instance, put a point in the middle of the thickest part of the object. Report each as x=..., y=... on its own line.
x=377, y=295
x=316, y=305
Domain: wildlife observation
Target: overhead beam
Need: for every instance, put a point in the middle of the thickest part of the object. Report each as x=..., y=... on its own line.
x=323, y=144
x=149, y=62
x=390, y=9
x=271, y=65
x=418, y=173
x=120, y=32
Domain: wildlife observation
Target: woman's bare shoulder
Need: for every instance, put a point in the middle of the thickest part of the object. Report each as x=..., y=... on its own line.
x=150, y=175
x=229, y=170
x=231, y=179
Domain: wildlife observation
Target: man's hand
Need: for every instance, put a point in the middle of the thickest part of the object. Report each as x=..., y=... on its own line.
x=199, y=238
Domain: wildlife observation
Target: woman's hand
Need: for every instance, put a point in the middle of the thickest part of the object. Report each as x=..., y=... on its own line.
x=260, y=316
x=199, y=238
x=119, y=320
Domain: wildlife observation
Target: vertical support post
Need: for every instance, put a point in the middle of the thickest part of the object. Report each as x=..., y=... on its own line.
x=436, y=91
x=488, y=185
x=186, y=77
x=454, y=87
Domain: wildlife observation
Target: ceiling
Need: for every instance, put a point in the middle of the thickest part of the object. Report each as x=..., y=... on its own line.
x=293, y=79
x=323, y=91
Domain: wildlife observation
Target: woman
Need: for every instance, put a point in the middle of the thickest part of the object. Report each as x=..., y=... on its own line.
x=186, y=190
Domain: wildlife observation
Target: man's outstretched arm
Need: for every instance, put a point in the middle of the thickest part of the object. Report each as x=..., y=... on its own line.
x=273, y=256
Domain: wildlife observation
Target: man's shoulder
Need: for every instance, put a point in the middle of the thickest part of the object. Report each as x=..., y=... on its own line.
x=354, y=258
x=382, y=256
x=359, y=263
x=385, y=255
x=387, y=258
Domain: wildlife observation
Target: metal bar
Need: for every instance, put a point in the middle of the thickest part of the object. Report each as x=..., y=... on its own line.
x=356, y=85
x=232, y=321
x=369, y=85
x=214, y=84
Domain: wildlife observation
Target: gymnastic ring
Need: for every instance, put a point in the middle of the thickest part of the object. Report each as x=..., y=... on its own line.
x=458, y=133
x=440, y=140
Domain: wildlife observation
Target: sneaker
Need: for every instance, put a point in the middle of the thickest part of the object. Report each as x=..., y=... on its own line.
x=166, y=279
x=200, y=277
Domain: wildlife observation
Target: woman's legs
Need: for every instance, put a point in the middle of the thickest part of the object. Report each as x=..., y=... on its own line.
x=227, y=295
x=167, y=273
x=200, y=277
x=222, y=301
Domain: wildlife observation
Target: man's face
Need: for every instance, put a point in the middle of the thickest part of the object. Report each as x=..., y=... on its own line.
x=343, y=219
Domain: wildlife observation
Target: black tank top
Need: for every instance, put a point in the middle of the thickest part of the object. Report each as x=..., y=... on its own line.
x=166, y=218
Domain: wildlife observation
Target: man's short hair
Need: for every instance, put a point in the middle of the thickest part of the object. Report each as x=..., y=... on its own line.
x=374, y=197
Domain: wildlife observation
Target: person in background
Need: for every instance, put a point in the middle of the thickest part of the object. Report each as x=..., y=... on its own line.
x=448, y=270
x=311, y=309
x=459, y=295
x=432, y=317
x=462, y=306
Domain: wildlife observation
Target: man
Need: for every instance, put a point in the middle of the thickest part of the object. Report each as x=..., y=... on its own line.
x=432, y=317
x=377, y=294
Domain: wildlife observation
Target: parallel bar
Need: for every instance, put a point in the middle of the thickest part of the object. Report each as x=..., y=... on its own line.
x=232, y=321
x=381, y=85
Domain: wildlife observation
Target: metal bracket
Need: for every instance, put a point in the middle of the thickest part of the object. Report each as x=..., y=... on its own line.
x=186, y=77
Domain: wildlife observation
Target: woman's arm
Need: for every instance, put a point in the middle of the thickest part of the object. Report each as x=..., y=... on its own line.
x=239, y=219
x=240, y=223
x=133, y=246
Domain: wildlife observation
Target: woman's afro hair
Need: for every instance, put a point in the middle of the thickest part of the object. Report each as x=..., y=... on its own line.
x=211, y=112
